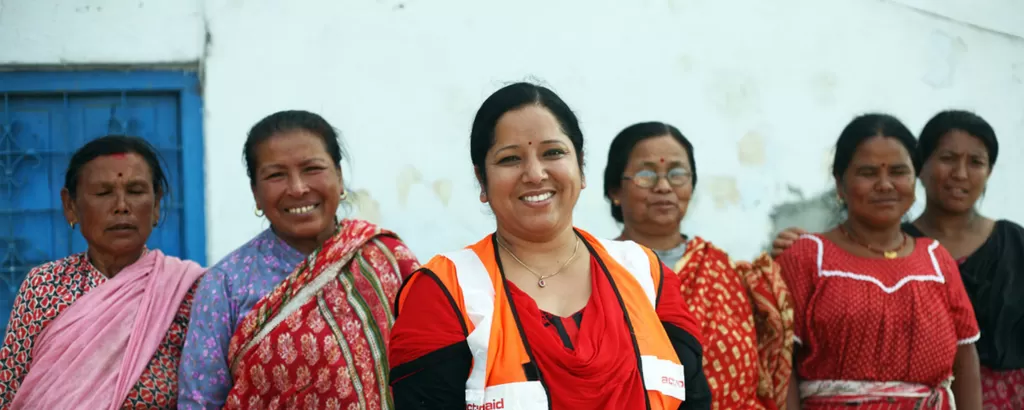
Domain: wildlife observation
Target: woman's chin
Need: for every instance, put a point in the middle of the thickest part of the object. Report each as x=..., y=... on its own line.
x=541, y=226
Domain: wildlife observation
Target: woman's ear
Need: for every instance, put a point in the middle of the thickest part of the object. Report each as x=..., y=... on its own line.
x=482, y=182
x=840, y=192
x=616, y=196
x=68, y=203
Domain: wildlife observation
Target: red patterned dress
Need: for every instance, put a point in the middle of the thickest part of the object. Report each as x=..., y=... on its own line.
x=52, y=287
x=881, y=333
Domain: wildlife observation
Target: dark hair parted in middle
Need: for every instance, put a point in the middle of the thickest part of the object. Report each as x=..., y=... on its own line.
x=952, y=120
x=287, y=121
x=865, y=127
x=622, y=147
x=510, y=98
x=111, y=145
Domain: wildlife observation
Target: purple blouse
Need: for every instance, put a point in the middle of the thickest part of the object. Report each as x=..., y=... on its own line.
x=227, y=292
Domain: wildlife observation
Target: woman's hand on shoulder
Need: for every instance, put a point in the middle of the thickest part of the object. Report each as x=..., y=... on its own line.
x=785, y=239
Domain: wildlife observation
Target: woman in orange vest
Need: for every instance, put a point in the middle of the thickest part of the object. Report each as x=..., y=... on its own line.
x=539, y=314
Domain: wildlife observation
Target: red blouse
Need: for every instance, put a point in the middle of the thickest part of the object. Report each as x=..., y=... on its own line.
x=874, y=319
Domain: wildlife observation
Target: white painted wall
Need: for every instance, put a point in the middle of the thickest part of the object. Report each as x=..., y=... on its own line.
x=70, y=32
x=761, y=88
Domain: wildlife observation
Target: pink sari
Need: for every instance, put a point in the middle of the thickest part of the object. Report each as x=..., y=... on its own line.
x=94, y=352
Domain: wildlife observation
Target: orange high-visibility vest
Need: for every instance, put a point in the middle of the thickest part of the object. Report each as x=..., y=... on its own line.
x=472, y=278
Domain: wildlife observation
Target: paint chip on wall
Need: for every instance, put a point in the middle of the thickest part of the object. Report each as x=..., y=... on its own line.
x=944, y=53
x=443, y=190
x=750, y=149
x=815, y=214
x=366, y=206
x=406, y=178
x=733, y=95
x=724, y=191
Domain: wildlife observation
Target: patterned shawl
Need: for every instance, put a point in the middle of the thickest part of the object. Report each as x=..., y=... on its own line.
x=319, y=340
x=740, y=304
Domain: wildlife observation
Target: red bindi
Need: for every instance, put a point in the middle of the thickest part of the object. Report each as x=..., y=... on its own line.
x=663, y=160
x=119, y=175
x=118, y=155
x=529, y=143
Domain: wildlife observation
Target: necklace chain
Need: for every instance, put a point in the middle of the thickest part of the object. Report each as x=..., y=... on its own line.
x=541, y=278
x=888, y=254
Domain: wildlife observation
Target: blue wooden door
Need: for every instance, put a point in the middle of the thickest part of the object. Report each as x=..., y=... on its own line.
x=38, y=134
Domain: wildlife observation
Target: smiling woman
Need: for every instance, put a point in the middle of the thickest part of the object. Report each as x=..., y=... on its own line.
x=300, y=207
x=959, y=150
x=879, y=316
x=308, y=300
x=60, y=351
x=541, y=314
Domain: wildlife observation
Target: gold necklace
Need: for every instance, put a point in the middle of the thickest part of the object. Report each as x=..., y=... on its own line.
x=540, y=278
x=888, y=254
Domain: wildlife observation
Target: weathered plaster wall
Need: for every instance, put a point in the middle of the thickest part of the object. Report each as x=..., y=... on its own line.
x=762, y=89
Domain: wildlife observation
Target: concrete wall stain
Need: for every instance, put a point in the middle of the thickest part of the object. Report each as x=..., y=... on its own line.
x=750, y=149
x=366, y=206
x=733, y=95
x=724, y=191
x=944, y=54
x=816, y=214
x=443, y=190
x=408, y=176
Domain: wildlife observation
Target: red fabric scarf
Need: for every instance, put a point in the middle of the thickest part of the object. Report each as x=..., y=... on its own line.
x=601, y=373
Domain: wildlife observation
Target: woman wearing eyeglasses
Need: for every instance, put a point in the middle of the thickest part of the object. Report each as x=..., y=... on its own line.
x=744, y=308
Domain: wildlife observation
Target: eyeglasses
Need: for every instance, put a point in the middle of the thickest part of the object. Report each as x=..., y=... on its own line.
x=676, y=177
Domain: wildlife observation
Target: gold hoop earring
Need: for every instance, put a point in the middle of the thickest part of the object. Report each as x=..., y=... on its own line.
x=344, y=195
x=258, y=212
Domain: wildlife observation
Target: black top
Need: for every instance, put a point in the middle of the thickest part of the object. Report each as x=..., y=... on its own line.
x=994, y=279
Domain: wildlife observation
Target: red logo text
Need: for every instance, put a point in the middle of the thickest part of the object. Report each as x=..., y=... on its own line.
x=672, y=381
x=492, y=405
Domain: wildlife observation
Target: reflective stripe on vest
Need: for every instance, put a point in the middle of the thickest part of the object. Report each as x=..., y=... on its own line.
x=478, y=290
x=632, y=257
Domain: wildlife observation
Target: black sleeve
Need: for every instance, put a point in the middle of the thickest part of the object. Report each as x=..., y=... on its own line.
x=698, y=393
x=435, y=381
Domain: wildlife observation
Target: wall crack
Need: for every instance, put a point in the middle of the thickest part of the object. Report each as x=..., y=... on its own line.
x=949, y=19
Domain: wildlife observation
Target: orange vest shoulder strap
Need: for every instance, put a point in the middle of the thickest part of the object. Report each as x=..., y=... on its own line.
x=637, y=260
x=438, y=268
x=445, y=268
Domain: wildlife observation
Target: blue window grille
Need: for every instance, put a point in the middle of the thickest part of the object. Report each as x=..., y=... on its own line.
x=46, y=116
